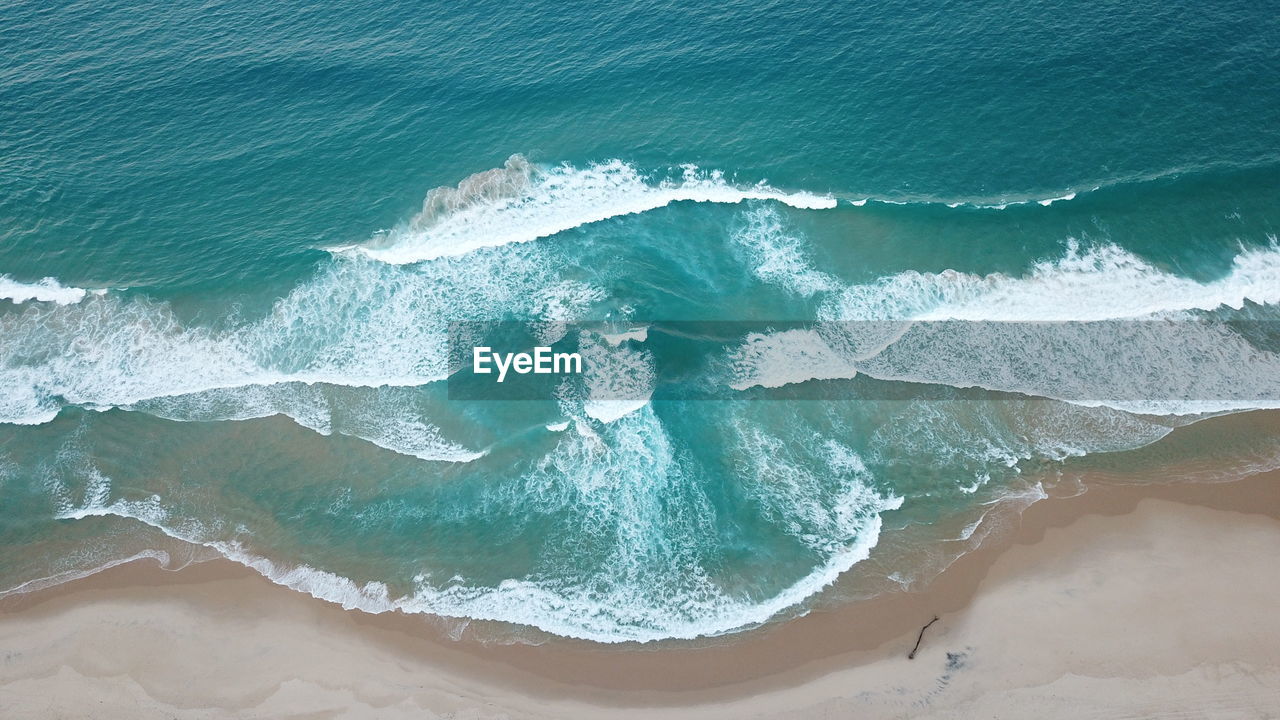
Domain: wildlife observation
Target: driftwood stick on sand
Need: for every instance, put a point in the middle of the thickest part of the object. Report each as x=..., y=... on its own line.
x=912, y=655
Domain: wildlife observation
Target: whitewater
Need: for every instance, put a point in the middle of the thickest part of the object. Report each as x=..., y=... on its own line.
x=624, y=504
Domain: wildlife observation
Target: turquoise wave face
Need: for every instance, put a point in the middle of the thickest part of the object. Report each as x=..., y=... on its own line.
x=846, y=284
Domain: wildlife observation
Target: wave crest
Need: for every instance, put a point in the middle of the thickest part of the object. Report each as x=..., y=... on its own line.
x=520, y=202
x=46, y=290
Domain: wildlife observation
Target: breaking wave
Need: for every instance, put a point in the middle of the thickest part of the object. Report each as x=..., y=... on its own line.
x=355, y=324
x=634, y=543
x=520, y=202
x=46, y=290
x=1097, y=326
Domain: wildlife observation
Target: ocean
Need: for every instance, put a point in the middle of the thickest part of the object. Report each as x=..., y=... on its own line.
x=854, y=284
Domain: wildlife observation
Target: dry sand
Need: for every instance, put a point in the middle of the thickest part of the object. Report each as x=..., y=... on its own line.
x=1125, y=602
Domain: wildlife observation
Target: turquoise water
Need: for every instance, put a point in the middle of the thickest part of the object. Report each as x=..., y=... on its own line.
x=226, y=289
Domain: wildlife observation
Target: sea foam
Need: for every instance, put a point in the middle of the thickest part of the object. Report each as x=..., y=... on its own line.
x=650, y=585
x=521, y=202
x=356, y=323
x=46, y=290
x=903, y=327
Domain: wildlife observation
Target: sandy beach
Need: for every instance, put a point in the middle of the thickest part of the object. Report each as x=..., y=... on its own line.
x=1150, y=601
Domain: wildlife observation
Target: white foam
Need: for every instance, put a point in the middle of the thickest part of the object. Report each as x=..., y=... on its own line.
x=789, y=356
x=357, y=323
x=610, y=620
x=1049, y=201
x=621, y=489
x=619, y=379
x=637, y=334
x=778, y=256
x=67, y=576
x=1005, y=204
x=520, y=202
x=651, y=586
x=974, y=438
x=1177, y=367
x=975, y=203
x=1099, y=283
x=95, y=504
x=389, y=417
x=390, y=421
x=1129, y=366
x=606, y=411
x=46, y=290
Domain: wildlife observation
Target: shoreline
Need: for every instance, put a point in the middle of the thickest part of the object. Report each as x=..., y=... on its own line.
x=792, y=659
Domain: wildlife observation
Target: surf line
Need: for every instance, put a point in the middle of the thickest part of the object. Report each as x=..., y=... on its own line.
x=542, y=361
